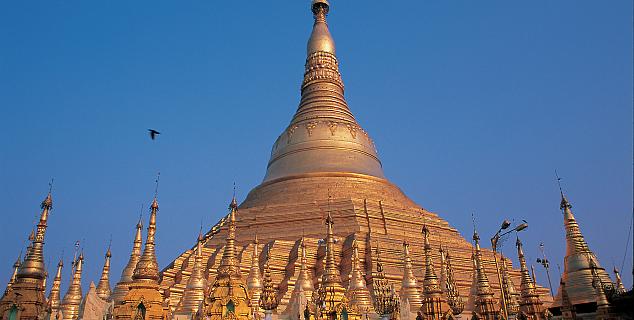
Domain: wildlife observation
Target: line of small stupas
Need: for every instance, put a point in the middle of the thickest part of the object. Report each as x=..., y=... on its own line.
x=231, y=295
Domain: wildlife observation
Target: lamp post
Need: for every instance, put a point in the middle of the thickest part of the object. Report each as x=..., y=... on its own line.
x=494, y=243
x=546, y=264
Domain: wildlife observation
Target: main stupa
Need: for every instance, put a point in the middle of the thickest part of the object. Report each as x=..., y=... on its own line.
x=325, y=163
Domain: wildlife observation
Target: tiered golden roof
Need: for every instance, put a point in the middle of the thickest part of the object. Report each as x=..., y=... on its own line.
x=103, y=287
x=73, y=297
x=14, y=274
x=123, y=286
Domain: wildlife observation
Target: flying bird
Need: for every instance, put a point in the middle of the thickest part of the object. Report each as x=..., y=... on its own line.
x=153, y=133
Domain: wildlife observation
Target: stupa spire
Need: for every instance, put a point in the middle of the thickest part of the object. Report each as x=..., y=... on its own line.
x=146, y=269
x=122, y=287
x=323, y=130
x=358, y=293
x=195, y=290
x=510, y=294
x=228, y=262
x=254, y=279
x=434, y=304
x=103, y=287
x=530, y=303
x=449, y=286
x=331, y=291
x=268, y=299
x=229, y=296
x=54, y=301
x=577, y=266
x=33, y=265
x=485, y=305
x=385, y=301
x=409, y=286
x=16, y=266
x=72, y=298
x=618, y=283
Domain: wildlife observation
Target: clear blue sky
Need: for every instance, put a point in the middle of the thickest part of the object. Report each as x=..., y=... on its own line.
x=472, y=106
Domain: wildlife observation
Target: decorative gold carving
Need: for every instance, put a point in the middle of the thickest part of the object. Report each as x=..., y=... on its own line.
x=310, y=126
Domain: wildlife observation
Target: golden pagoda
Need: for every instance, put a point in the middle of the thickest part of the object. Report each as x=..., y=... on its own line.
x=54, y=302
x=254, y=279
x=144, y=300
x=448, y=283
x=384, y=299
x=358, y=294
x=434, y=305
x=14, y=274
x=25, y=298
x=103, y=288
x=511, y=296
x=579, y=264
x=268, y=299
x=194, y=294
x=531, y=306
x=72, y=298
x=485, y=306
x=332, y=300
x=123, y=286
x=324, y=161
x=301, y=297
x=228, y=296
x=410, y=290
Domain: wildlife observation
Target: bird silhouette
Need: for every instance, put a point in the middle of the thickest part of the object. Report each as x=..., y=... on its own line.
x=153, y=133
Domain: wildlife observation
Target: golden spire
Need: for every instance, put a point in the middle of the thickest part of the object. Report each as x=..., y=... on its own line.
x=510, y=294
x=72, y=299
x=14, y=275
x=320, y=39
x=409, y=287
x=146, y=269
x=122, y=287
x=331, y=292
x=358, y=294
x=449, y=286
x=577, y=268
x=386, y=301
x=103, y=287
x=434, y=304
x=229, y=295
x=618, y=283
x=195, y=291
x=268, y=299
x=228, y=264
x=54, y=296
x=530, y=304
x=304, y=281
x=484, y=301
x=33, y=265
x=254, y=279
x=323, y=131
